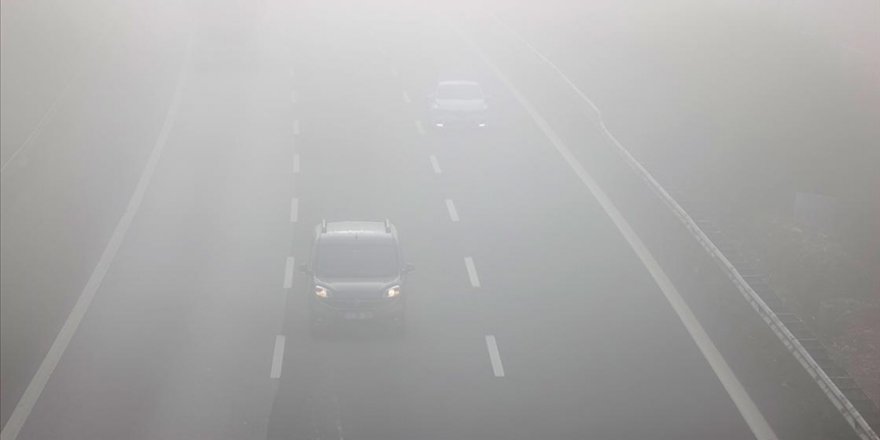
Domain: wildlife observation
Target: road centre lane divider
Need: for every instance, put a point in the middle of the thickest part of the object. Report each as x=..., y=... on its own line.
x=289, y=266
x=277, y=357
x=435, y=165
x=494, y=356
x=453, y=213
x=472, y=271
x=294, y=210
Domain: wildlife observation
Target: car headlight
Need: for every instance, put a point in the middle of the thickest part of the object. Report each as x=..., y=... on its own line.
x=321, y=292
x=392, y=292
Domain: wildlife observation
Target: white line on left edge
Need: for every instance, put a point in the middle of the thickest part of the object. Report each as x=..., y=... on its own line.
x=296, y=163
x=420, y=127
x=453, y=214
x=38, y=382
x=288, y=272
x=277, y=357
x=494, y=356
x=38, y=129
x=294, y=209
x=296, y=127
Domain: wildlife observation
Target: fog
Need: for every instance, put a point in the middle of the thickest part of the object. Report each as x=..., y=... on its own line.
x=271, y=220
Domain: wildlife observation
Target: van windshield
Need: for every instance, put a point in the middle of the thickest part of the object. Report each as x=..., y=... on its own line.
x=459, y=91
x=362, y=260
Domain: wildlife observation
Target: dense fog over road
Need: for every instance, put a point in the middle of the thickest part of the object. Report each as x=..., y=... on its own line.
x=429, y=220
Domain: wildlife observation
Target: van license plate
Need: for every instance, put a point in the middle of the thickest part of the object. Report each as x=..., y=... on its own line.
x=358, y=315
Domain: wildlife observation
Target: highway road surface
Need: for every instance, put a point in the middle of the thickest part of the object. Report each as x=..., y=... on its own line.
x=158, y=196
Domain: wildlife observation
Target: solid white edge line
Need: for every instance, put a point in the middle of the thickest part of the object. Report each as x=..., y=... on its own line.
x=831, y=390
x=746, y=406
x=472, y=271
x=453, y=214
x=406, y=98
x=38, y=383
x=494, y=356
x=552, y=65
x=296, y=163
x=38, y=129
x=277, y=357
x=289, y=266
x=435, y=164
x=296, y=127
x=294, y=209
x=419, y=127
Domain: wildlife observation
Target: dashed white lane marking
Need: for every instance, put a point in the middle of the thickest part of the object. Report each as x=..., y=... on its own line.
x=453, y=214
x=38, y=383
x=435, y=164
x=294, y=209
x=296, y=127
x=741, y=399
x=277, y=357
x=288, y=272
x=419, y=127
x=472, y=271
x=296, y=163
x=293, y=96
x=494, y=356
x=406, y=98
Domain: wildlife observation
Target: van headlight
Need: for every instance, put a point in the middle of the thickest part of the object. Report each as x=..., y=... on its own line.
x=392, y=292
x=321, y=292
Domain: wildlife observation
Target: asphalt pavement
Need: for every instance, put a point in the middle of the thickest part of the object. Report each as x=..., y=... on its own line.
x=529, y=315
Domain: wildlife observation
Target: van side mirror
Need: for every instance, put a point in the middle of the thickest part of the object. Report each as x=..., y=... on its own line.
x=407, y=268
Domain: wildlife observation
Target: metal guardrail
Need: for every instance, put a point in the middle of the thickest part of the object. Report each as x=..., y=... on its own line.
x=831, y=390
x=761, y=285
x=794, y=346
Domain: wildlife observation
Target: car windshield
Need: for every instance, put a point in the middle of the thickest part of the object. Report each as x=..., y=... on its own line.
x=356, y=261
x=459, y=91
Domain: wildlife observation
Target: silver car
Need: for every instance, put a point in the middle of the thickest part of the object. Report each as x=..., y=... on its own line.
x=458, y=103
